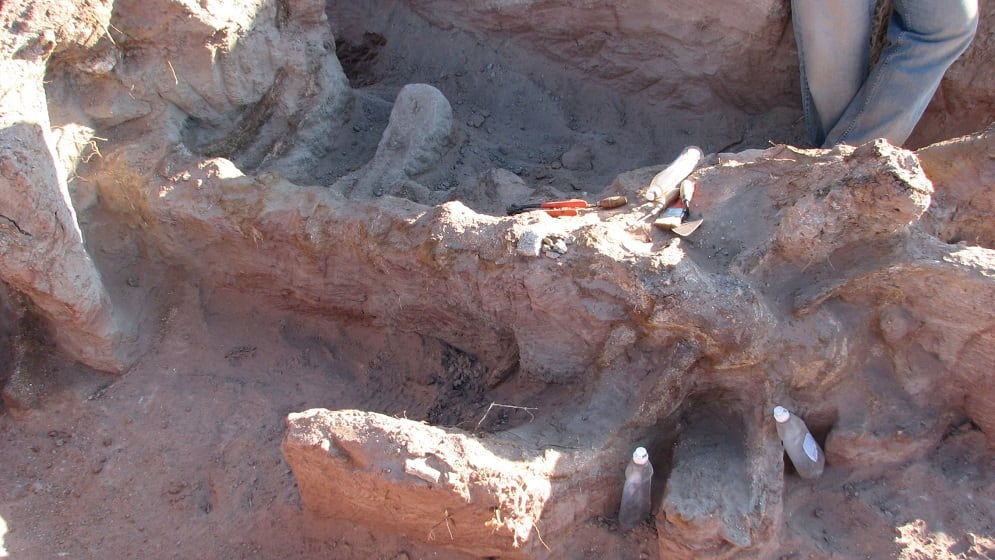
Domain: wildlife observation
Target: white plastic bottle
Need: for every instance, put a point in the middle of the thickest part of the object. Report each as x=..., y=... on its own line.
x=669, y=179
x=636, y=495
x=801, y=447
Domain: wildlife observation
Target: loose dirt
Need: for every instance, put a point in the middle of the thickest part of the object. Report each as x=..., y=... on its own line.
x=180, y=457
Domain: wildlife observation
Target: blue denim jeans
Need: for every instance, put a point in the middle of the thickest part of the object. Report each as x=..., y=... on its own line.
x=844, y=100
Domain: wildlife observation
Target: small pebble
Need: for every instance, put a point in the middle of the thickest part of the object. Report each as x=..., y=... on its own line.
x=530, y=243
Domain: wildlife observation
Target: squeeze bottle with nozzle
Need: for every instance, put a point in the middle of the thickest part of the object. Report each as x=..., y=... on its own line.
x=668, y=179
x=801, y=447
x=636, y=491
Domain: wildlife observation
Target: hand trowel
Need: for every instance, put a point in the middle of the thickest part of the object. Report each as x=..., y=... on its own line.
x=675, y=217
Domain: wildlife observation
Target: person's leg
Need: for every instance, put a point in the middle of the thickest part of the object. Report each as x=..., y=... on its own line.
x=924, y=39
x=833, y=38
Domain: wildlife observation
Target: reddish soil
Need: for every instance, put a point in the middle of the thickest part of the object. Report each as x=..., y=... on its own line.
x=180, y=457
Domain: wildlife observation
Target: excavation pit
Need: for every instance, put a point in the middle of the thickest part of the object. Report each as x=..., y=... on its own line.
x=240, y=229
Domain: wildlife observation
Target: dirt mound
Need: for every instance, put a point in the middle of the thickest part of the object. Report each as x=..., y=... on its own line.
x=261, y=297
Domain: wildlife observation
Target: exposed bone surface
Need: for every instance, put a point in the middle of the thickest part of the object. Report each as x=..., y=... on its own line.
x=261, y=295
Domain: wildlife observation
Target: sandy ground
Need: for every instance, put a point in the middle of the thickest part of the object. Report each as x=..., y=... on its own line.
x=180, y=457
x=520, y=112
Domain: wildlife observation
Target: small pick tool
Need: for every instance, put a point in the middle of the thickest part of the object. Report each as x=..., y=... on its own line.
x=569, y=207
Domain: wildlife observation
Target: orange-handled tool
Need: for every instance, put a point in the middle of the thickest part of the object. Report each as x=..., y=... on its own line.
x=569, y=207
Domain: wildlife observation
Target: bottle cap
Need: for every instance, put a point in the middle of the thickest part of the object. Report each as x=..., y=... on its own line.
x=781, y=414
x=640, y=456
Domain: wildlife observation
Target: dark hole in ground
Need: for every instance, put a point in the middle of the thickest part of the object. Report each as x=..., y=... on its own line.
x=662, y=441
x=461, y=388
x=708, y=448
x=359, y=60
x=33, y=373
x=343, y=361
x=238, y=135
